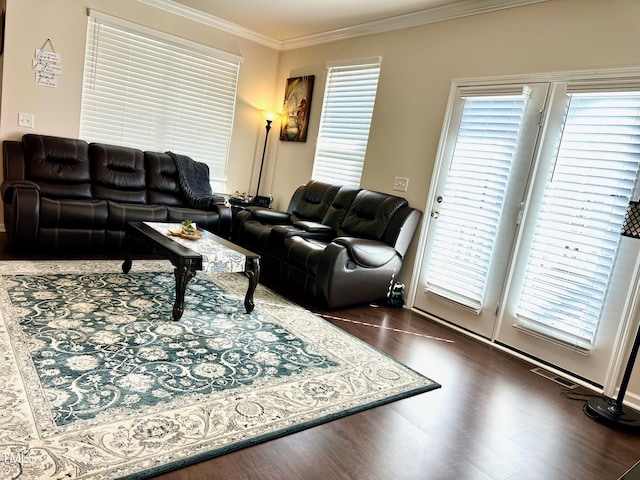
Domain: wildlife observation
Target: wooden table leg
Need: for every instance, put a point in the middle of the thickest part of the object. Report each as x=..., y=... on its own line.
x=128, y=260
x=183, y=272
x=252, y=271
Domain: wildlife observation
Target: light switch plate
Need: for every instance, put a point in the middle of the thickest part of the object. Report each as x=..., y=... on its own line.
x=400, y=184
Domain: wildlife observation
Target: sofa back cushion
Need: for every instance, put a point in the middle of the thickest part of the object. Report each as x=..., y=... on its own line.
x=60, y=166
x=315, y=200
x=340, y=206
x=162, y=180
x=370, y=214
x=118, y=173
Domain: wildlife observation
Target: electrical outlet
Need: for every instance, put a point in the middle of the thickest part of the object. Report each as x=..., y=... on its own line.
x=25, y=120
x=400, y=184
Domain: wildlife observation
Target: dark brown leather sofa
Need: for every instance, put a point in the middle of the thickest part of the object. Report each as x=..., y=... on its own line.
x=66, y=194
x=336, y=246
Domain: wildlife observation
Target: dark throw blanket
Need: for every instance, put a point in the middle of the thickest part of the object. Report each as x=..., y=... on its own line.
x=193, y=179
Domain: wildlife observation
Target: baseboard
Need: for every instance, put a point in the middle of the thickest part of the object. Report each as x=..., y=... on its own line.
x=631, y=400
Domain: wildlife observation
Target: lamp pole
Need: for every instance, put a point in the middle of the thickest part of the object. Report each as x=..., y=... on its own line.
x=264, y=149
x=609, y=410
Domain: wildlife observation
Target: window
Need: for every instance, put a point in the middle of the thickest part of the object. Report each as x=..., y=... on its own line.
x=349, y=98
x=152, y=91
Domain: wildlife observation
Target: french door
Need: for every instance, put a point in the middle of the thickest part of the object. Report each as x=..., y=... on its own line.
x=523, y=245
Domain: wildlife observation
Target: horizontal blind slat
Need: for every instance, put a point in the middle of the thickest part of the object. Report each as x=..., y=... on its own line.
x=158, y=93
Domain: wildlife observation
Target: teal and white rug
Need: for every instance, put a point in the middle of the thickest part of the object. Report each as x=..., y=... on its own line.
x=98, y=382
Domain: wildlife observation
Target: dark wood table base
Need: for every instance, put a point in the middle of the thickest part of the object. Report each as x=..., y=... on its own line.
x=185, y=261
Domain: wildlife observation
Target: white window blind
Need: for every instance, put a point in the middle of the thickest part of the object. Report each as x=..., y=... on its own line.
x=152, y=91
x=474, y=197
x=347, y=109
x=578, y=227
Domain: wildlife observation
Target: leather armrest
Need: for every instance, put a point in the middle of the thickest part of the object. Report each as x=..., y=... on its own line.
x=21, y=212
x=272, y=217
x=304, y=229
x=224, y=220
x=367, y=253
x=314, y=227
x=9, y=186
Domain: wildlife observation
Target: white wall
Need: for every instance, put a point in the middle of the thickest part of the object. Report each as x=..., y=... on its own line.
x=57, y=110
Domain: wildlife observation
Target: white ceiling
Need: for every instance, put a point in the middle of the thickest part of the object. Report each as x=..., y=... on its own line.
x=294, y=23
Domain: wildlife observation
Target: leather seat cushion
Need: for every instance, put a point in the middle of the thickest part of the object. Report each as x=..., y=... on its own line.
x=206, y=219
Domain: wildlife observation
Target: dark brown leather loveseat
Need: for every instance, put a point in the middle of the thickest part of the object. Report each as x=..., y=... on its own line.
x=336, y=246
x=67, y=194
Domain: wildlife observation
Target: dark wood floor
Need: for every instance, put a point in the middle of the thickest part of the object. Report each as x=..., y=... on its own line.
x=492, y=419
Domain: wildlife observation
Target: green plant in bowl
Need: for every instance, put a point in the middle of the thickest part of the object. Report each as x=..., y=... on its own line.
x=188, y=226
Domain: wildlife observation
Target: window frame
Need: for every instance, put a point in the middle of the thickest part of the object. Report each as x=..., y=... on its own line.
x=178, y=95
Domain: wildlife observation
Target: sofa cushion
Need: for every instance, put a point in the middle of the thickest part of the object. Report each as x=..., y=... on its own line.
x=255, y=235
x=73, y=213
x=207, y=219
x=340, y=206
x=118, y=173
x=121, y=213
x=370, y=214
x=303, y=254
x=60, y=166
x=162, y=179
x=316, y=199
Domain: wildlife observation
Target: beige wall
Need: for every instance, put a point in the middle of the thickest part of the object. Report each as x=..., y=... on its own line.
x=417, y=69
x=419, y=65
x=57, y=110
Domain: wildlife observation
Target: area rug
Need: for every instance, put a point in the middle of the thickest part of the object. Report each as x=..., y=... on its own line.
x=98, y=382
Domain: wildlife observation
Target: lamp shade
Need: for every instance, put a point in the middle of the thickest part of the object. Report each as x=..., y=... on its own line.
x=631, y=225
x=269, y=115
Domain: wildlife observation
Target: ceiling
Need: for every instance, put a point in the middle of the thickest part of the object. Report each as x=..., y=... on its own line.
x=295, y=23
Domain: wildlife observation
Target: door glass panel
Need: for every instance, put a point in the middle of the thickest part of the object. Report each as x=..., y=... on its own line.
x=578, y=225
x=473, y=200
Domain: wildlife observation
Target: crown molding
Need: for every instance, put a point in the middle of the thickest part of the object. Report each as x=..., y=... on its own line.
x=459, y=9
x=462, y=8
x=215, y=22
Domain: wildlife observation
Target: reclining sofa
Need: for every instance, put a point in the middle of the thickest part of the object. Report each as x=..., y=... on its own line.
x=336, y=246
x=68, y=195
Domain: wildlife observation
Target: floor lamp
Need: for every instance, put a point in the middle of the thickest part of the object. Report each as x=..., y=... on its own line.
x=269, y=117
x=609, y=410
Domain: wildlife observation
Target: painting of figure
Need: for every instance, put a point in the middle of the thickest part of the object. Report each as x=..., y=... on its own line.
x=295, y=110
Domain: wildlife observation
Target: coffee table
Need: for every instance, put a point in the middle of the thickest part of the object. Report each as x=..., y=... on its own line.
x=210, y=253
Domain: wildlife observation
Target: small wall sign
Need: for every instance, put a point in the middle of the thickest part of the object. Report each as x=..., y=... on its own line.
x=46, y=65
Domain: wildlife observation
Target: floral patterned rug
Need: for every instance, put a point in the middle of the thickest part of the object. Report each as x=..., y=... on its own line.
x=98, y=382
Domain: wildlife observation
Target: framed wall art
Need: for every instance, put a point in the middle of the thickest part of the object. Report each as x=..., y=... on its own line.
x=296, y=107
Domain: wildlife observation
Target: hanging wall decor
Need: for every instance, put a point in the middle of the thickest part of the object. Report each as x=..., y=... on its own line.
x=296, y=107
x=46, y=64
